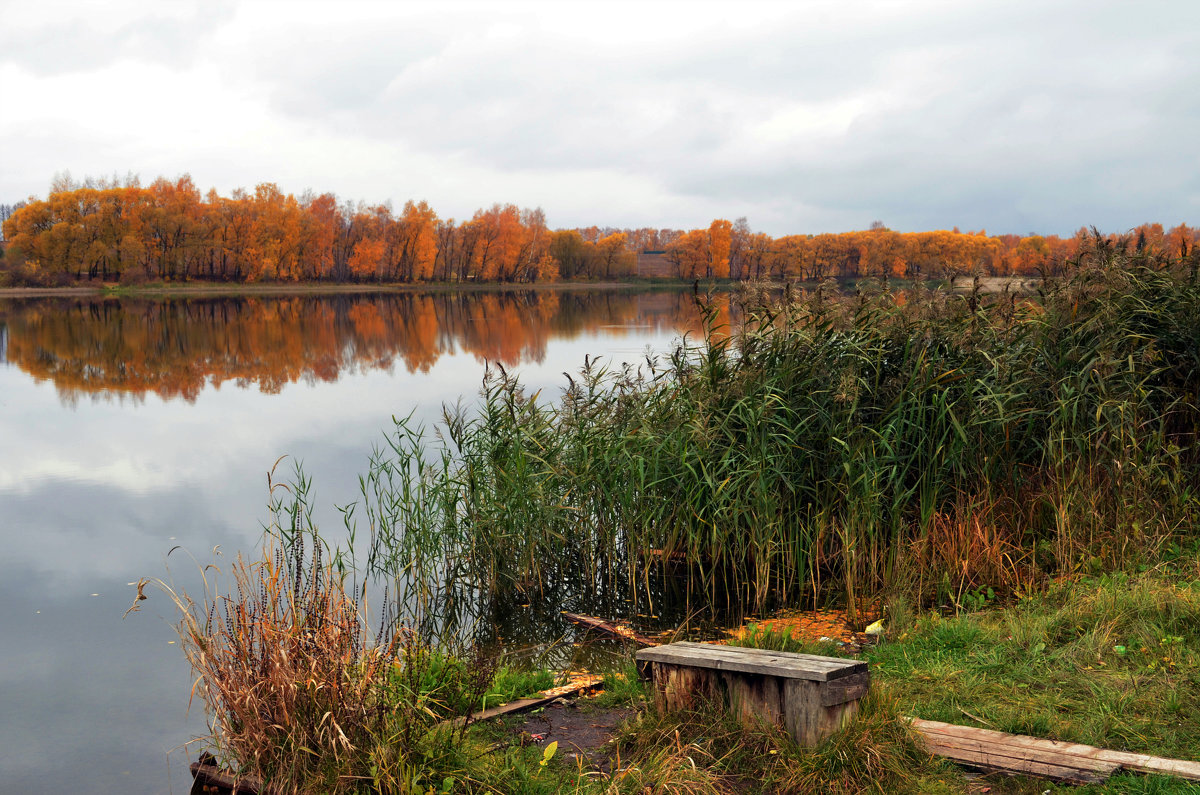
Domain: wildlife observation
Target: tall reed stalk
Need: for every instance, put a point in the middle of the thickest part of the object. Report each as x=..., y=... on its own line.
x=834, y=444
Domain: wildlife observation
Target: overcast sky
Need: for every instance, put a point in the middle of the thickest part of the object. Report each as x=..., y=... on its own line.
x=1012, y=116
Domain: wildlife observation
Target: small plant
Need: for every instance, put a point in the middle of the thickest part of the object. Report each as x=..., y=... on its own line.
x=977, y=599
x=622, y=688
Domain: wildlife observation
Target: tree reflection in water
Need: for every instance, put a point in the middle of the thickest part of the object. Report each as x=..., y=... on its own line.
x=174, y=347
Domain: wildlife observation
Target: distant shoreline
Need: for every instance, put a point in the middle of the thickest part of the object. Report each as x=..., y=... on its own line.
x=202, y=289
x=1020, y=285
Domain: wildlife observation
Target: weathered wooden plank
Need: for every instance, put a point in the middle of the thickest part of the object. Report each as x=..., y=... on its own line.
x=703, y=649
x=1010, y=764
x=707, y=650
x=783, y=664
x=527, y=704
x=754, y=697
x=205, y=773
x=1158, y=765
x=609, y=628
x=847, y=688
x=682, y=686
x=1143, y=763
x=1004, y=751
x=795, y=704
x=809, y=718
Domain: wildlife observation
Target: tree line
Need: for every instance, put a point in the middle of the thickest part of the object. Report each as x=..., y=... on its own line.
x=122, y=231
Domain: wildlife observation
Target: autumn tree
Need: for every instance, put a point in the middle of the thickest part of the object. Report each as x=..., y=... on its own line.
x=535, y=247
x=111, y=228
x=569, y=251
x=689, y=254
x=719, y=239
x=412, y=243
x=612, y=258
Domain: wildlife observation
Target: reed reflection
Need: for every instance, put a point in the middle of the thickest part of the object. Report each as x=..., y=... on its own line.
x=177, y=347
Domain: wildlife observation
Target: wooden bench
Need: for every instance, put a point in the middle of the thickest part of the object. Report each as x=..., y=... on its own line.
x=810, y=696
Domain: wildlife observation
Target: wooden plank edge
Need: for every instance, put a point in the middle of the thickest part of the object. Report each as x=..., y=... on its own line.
x=766, y=664
x=1003, y=751
x=1157, y=765
x=747, y=651
x=848, y=688
x=1141, y=763
x=1010, y=765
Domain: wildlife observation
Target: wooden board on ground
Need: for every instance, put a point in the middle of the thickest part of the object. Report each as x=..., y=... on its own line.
x=615, y=629
x=208, y=777
x=573, y=688
x=1018, y=753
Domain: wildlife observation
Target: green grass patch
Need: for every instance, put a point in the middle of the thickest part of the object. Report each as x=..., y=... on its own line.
x=706, y=750
x=622, y=688
x=1111, y=661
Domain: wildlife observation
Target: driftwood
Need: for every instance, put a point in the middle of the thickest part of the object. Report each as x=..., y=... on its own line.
x=207, y=777
x=526, y=704
x=809, y=695
x=1063, y=761
x=609, y=628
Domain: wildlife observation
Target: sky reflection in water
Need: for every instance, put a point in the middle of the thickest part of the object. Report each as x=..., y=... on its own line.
x=101, y=476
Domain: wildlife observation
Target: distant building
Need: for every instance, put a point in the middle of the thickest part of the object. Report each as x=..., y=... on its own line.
x=654, y=264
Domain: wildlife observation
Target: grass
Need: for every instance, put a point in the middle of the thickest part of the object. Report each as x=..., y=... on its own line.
x=301, y=693
x=1111, y=661
x=707, y=751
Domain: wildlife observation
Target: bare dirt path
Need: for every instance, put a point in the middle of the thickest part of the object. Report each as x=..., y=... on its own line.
x=580, y=730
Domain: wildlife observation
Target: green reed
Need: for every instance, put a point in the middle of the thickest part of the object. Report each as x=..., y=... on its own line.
x=833, y=444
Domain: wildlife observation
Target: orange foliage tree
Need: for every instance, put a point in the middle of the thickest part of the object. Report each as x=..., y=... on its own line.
x=167, y=230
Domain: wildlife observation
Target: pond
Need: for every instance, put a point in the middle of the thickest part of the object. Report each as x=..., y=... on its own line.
x=133, y=426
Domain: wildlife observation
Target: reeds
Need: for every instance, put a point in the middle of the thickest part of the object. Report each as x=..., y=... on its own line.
x=301, y=694
x=834, y=444
x=834, y=447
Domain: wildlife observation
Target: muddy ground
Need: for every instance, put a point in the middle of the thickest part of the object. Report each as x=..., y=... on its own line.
x=581, y=731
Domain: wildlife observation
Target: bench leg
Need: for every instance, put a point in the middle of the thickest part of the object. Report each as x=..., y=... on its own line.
x=807, y=718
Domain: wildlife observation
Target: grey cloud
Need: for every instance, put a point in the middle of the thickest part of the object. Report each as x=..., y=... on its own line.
x=1022, y=115
x=1047, y=144
x=1006, y=99
x=69, y=45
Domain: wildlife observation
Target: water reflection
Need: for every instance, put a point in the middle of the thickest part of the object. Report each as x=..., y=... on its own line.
x=117, y=445
x=176, y=347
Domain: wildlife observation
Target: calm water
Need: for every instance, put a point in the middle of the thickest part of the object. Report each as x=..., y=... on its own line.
x=128, y=427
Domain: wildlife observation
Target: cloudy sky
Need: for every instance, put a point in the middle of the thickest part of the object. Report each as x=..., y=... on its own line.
x=809, y=116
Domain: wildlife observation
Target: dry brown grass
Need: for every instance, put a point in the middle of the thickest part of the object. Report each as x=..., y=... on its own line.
x=973, y=546
x=296, y=688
